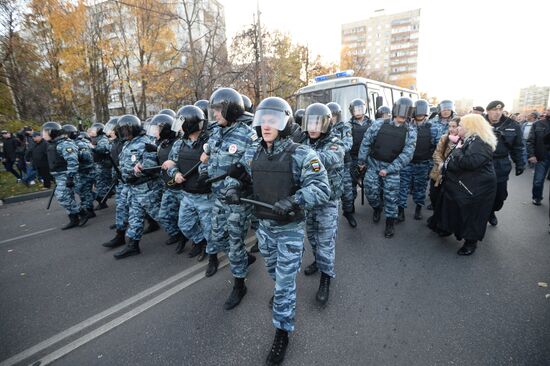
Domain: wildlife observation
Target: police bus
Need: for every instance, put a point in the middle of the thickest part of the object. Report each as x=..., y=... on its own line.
x=342, y=87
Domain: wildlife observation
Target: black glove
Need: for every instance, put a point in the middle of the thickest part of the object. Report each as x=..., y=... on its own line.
x=150, y=148
x=284, y=206
x=236, y=171
x=203, y=177
x=231, y=196
x=519, y=171
x=69, y=183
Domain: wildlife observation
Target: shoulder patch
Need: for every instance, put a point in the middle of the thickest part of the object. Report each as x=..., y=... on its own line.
x=69, y=149
x=315, y=165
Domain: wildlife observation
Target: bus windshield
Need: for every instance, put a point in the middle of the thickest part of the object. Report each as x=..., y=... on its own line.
x=341, y=95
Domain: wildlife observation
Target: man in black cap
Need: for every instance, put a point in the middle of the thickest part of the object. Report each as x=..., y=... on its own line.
x=509, y=144
x=478, y=110
x=38, y=156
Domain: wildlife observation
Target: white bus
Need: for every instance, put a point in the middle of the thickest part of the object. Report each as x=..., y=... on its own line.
x=342, y=87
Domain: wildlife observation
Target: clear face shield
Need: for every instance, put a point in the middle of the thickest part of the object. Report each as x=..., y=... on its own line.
x=152, y=130
x=109, y=130
x=359, y=110
x=316, y=123
x=272, y=118
x=46, y=135
x=446, y=106
x=219, y=111
x=177, y=124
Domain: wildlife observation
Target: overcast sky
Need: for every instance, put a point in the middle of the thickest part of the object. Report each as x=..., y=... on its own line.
x=482, y=50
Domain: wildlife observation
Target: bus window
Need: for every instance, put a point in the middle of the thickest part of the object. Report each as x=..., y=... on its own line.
x=371, y=105
x=386, y=94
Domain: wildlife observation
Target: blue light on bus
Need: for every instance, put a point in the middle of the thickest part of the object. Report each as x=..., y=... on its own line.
x=339, y=74
x=321, y=78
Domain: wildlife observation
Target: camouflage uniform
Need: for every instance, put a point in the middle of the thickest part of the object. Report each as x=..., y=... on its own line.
x=230, y=223
x=280, y=244
x=365, y=123
x=103, y=168
x=121, y=198
x=171, y=197
x=416, y=173
x=144, y=192
x=84, y=184
x=68, y=150
x=391, y=182
x=342, y=130
x=322, y=221
x=195, y=210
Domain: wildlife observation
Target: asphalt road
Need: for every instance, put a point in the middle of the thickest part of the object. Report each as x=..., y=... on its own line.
x=409, y=300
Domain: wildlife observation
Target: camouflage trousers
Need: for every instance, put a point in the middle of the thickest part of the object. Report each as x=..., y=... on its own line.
x=229, y=228
x=64, y=194
x=375, y=184
x=282, y=247
x=321, y=228
x=143, y=199
x=122, y=209
x=169, y=210
x=348, y=195
x=195, y=216
x=415, y=174
x=103, y=179
x=84, y=187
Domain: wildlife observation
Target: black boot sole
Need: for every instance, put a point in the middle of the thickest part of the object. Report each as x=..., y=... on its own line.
x=210, y=273
x=233, y=305
x=126, y=255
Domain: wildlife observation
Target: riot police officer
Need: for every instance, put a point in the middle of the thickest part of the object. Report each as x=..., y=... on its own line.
x=103, y=168
x=383, y=112
x=415, y=174
x=322, y=221
x=230, y=222
x=360, y=123
x=292, y=178
x=387, y=148
x=342, y=130
x=185, y=169
x=63, y=162
x=145, y=187
x=509, y=145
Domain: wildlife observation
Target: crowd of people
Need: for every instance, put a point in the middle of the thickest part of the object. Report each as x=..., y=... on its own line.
x=209, y=172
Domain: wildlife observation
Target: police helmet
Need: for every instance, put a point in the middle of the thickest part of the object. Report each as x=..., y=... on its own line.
x=129, y=126
x=357, y=107
x=71, y=131
x=168, y=112
x=299, y=116
x=161, y=127
x=421, y=108
x=403, y=107
x=53, y=130
x=275, y=112
x=97, y=128
x=317, y=118
x=336, y=110
x=228, y=102
x=446, y=105
x=203, y=105
x=383, y=112
x=248, y=106
x=190, y=119
x=110, y=126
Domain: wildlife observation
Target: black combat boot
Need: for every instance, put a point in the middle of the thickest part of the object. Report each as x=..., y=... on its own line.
x=197, y=249
x=493, y=219
x=74, y=221
x=117, y=241
x=83, y=217
x=324, y=285
x=376, y=214
x=400, y=214
x=311, y=269
x=100, y=205
x=468, y=248
x=418, y=212
x=254, y=248
x=176, y=238
x=153, y=226
x=203, y=254
x=91, y=213
x=237, y=294
x=351, y=219
x=181, y=244
x=388, y=233
x=131, y=249
x=278, y=349
x=212, y=265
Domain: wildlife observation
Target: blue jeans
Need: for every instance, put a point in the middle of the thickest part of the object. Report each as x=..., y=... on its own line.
x=541, y=169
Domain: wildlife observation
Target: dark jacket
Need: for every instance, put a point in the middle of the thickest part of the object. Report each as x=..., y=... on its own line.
x=10, y=148
x=536, y=145
x=39, y=155
x=469, y=188
x=510, y=144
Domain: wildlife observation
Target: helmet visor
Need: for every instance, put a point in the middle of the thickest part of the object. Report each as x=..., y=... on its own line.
x=359, y=110
x=271, y=118
x=316, y=123
x=153, y=130
x=446, y=106
x=178, y=123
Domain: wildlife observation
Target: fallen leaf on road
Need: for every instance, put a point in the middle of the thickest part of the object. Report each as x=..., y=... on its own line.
x=10, y=250
x=22, y=225
x=22, y=274
x=547, y=296
x=543, y=284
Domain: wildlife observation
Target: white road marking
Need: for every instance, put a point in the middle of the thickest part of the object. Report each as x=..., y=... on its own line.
x=27, y=235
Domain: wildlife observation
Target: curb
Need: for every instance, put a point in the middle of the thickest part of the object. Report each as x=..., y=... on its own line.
x=26, y=197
